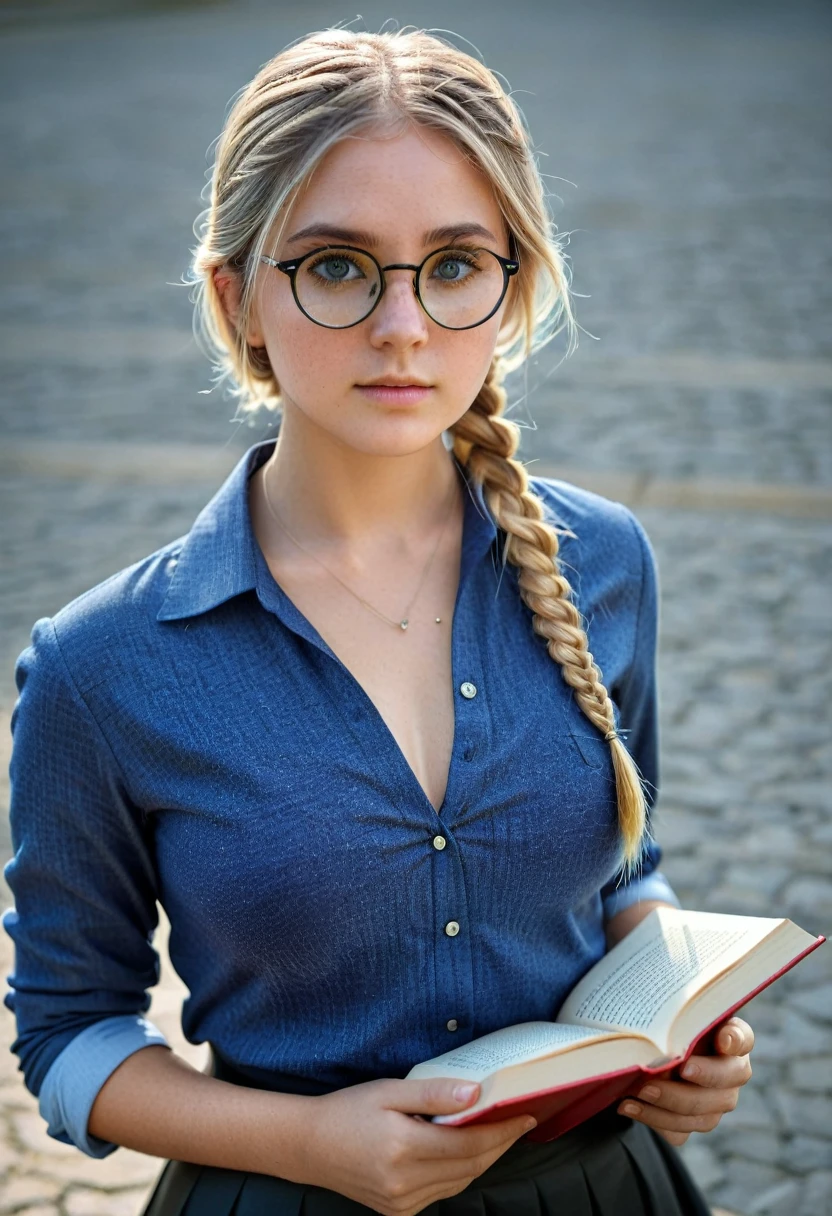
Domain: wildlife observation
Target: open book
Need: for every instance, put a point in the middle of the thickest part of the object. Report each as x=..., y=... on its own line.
x=649, y=1003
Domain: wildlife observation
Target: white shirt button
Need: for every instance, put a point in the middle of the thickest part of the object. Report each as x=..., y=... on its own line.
x=468, y=690
x=439, y=842
x=452, y=1024
x=452, y=928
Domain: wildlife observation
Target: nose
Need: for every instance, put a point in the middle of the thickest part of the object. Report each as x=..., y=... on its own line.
x=399, y=318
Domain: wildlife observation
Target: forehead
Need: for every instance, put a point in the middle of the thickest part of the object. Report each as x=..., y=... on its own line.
x=393, y=185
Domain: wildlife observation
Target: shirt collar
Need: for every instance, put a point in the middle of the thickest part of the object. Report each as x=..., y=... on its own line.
x=218, y=559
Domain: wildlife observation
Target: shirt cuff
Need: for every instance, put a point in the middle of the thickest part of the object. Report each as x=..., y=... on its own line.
x=75, y=1076
x=652, y=886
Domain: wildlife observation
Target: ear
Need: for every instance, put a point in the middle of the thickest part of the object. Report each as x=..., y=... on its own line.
x=229, y=287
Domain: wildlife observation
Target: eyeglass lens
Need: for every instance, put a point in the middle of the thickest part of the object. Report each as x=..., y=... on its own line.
x=458, y=288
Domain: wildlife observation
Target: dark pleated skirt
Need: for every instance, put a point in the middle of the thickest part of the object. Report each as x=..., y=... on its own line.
x=607, y=1166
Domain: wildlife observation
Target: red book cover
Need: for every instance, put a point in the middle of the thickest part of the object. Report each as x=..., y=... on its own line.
x=565, y=1106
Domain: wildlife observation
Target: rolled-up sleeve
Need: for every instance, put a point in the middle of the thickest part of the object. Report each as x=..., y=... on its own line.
x=84, y=888
x=637, y=698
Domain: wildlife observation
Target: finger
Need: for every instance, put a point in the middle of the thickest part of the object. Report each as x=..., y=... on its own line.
x=433, y=1141
x=687, y=1099
x=453, y=1173
x=677, y=1138
x=734, y=1037
x=667, y=1120
x=717, y=1072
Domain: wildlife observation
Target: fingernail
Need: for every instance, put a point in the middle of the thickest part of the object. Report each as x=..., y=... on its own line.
x=690, y=1070
x=463, y=1092
x=630, y=1108
x=649, y=1093
x=730, y=1042
x=530, y=1123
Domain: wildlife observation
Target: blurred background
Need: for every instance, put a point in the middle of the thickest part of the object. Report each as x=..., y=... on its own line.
x=686, y=148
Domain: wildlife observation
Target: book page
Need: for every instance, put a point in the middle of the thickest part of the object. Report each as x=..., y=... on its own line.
x=645, y=980
x=761, y=965
x=505, y=1048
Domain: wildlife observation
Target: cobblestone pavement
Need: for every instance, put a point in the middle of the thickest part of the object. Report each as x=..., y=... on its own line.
x=699, y=145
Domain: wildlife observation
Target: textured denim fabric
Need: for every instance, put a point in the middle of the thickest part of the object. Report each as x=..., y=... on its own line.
x=184, y=734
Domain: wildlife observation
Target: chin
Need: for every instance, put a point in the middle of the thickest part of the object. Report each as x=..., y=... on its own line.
x=396, y=435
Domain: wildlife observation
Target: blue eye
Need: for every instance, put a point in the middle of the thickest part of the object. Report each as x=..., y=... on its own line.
x=454, y=262
x=338, y=268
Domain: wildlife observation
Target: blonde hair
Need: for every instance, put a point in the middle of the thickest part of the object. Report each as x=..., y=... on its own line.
x=302, y=102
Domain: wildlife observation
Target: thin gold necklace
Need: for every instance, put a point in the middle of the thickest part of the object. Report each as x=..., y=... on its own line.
x=400, y=624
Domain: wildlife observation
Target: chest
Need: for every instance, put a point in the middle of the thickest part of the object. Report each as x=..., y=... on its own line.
x=407, y=674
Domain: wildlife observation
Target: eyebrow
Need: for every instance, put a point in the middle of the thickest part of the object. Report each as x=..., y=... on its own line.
x=448, y=233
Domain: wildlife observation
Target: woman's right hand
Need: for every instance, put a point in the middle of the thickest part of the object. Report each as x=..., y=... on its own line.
x=365, y=1143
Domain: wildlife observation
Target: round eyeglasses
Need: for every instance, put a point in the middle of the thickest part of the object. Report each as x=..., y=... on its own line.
x=458, y=286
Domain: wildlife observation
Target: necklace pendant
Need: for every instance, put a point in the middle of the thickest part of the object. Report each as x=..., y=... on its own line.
x=403, y=624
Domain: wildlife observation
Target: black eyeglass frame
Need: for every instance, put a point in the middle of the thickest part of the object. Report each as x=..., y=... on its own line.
x=290, y=267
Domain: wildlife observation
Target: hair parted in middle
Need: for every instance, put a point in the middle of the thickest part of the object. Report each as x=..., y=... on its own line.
x=337, y=82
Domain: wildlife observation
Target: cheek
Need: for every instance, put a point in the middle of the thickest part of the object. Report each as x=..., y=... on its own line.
x=463, y=365
x=469, y=355
x=308, y=361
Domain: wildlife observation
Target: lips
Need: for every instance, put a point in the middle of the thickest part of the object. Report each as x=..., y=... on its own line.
x=395, y=394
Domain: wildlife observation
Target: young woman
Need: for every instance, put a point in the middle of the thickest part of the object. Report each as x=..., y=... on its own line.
x=349, y=731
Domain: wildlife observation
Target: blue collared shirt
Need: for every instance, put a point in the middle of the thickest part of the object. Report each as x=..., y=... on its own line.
x=184, y=734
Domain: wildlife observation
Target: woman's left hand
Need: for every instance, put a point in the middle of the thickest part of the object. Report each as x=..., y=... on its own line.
x=677, y=1108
